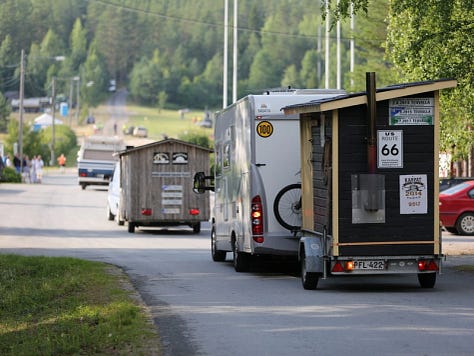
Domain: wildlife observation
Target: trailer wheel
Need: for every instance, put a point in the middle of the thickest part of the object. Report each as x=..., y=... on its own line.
x=196, y=228
x=131, y=227
x=308, y=279
x=240, y=259
x=217, y=255
x=427, y=280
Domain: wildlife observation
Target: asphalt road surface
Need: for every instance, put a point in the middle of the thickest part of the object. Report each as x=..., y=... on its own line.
x=205, y=308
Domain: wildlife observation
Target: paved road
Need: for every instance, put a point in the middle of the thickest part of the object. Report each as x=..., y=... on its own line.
x=205, y=308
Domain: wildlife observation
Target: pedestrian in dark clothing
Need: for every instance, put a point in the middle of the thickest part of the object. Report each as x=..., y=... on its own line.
x=17, y=163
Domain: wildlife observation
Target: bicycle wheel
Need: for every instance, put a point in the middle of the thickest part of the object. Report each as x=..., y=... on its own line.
x=287, y=207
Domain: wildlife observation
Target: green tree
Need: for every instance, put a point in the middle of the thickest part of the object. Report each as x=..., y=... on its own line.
x=436, y=41
x=5, y=110
x=93, y=79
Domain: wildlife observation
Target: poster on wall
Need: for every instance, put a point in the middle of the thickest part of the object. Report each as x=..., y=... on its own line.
x=413, y=194
x=411, y=111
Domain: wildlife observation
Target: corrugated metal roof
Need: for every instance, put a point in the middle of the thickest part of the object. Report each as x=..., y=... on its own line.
x=360, y=98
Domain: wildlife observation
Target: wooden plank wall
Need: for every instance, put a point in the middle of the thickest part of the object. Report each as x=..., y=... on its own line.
x=145, y=181
x=418, y=158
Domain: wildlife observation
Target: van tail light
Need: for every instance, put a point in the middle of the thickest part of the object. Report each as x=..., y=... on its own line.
x=194, y=211
x=427, y=265
x=257, y=219
x=147, y=212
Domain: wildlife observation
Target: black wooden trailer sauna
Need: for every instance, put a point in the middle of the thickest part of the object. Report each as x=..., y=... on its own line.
x=370, y=183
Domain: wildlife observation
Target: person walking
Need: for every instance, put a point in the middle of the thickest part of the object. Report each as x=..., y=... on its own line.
x=17, y=163
x=62, y=162
x=33, y=170
x=39, y=169
x=25, y=175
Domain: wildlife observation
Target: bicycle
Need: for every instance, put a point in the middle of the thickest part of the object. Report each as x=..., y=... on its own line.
x=287, y=207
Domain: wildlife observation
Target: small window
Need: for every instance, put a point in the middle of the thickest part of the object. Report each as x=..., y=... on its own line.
x=161, y=158
x=180, y=158
x=226, y=156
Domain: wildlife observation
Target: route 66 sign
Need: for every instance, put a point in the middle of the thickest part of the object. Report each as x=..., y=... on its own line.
x=390, y=149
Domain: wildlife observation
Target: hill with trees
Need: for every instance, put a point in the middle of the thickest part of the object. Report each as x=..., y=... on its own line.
x=171, y=53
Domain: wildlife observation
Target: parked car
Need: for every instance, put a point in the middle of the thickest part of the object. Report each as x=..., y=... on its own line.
x=456, y=208
x=140, y=131
x=445, y=183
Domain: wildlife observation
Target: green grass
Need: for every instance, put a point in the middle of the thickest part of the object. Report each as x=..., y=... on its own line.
x=65, y=306
x=158, y=122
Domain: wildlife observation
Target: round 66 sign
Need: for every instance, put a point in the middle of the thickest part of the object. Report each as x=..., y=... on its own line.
x=390, y=149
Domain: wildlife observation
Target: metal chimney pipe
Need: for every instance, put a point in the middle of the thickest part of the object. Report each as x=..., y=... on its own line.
x=372, y=118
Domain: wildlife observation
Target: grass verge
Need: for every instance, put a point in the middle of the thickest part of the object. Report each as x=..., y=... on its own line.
x=64, y=306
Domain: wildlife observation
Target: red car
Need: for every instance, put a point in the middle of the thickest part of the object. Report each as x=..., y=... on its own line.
x=456, y=208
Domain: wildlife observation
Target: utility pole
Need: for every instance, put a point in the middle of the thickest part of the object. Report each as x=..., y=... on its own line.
x=328, y=28
x=22, y=95
x=78, y=96
x=234, y=65
x=53, y=111
x=226, y=60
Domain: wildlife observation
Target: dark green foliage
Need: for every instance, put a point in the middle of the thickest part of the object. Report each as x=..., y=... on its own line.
x=197, y=139
x=10, y=175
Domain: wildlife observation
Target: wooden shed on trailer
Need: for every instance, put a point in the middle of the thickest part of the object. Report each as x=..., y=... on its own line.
x=156, y=184
x=370, y=182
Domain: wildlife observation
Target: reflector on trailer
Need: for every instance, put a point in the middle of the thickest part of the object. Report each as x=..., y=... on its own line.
x=338, y=267
x=194, y=211
x=147, y=212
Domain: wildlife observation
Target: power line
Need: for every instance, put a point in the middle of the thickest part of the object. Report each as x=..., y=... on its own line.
x=220, y=25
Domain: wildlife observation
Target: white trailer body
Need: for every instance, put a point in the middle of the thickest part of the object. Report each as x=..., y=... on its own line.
x=257, y=154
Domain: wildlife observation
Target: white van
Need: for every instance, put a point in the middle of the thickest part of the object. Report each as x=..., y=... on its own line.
x=113, y=197
x=257, y=208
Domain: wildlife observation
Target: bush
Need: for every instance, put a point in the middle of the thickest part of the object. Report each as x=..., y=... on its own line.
x=10, y=175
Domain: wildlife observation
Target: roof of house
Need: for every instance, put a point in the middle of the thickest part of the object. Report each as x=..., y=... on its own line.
x=163, y=142
x=360, y=98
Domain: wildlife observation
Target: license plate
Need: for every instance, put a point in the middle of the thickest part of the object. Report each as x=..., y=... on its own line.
x=367, y=265
x=100, y=176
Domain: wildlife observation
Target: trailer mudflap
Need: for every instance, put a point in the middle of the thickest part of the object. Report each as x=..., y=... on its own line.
x=312, y=249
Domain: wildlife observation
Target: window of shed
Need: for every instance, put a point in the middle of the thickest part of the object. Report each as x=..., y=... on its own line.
x=161, y=158
x=180, y=158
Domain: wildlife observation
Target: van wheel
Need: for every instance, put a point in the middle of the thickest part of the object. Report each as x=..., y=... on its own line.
x=131, y=227
x=240, y=259
x=427, y=280
x=308, y=279
x=110, y=216
x=197, y=228
x=83, y=186
x=217, y=255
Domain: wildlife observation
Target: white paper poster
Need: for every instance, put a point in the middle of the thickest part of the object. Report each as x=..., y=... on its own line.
x=413, y=194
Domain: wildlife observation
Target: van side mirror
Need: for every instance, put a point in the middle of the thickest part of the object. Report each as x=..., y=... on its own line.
x=199, y=183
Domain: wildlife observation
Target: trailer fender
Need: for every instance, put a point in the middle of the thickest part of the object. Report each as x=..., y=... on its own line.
x=312, y=248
